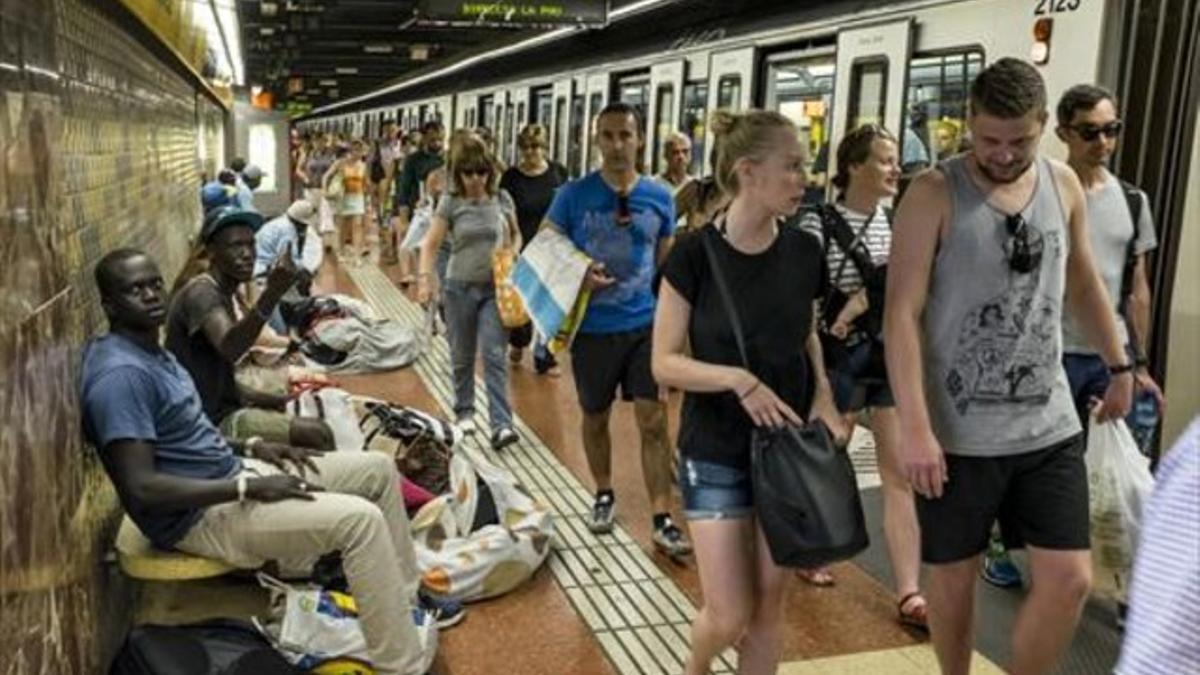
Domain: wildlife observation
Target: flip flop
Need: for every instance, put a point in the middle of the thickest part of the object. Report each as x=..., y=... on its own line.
x=916, y=618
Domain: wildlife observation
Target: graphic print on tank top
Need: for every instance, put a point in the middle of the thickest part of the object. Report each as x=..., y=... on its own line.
x=1006, y=352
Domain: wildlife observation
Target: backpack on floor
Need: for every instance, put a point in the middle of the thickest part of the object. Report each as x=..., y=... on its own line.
x=214, y=647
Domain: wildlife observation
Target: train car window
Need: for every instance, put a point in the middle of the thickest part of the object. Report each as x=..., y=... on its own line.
x=542, y=105
x=596, y=101
x=694, y=121
x=935, y=119
x=801, y=89
x=665, y=124
x=729, y=92
x=484, y=116
x=506, y=148
x=868, y=92
x=636, y=92
x=560, y=127
x=575, y=140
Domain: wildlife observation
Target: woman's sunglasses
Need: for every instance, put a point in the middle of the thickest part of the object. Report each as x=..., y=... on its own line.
x=1025, y=254
x=477, y=171
x=1090, y=132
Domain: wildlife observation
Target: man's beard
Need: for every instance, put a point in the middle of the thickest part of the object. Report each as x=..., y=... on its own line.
x=1002, y=180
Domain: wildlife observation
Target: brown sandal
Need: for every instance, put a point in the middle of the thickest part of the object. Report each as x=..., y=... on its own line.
x=916, y=618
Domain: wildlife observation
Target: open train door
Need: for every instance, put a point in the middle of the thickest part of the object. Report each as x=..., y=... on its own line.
x=871, y=79
x=666, y=85
x=730, y=79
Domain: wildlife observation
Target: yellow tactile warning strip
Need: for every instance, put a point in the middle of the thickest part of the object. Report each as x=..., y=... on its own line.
x=638, y=614
x=916, y=660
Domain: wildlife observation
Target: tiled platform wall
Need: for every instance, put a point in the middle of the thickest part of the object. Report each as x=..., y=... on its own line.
x=98, y=149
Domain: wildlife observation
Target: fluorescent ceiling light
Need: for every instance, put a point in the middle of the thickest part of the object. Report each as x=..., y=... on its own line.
x=544, y=38
x=378, y=49
x=327, y=83
x=346, y=71
x=266, y=30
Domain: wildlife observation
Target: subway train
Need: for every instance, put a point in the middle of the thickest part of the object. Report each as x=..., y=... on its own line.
x=831, y=66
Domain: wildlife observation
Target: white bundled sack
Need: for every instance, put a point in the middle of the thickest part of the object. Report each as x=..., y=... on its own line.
x=1119, y=482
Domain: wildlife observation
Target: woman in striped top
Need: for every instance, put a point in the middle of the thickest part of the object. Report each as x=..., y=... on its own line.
x=868, y=176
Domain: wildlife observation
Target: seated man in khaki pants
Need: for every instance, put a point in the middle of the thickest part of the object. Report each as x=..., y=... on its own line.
x=189, y=489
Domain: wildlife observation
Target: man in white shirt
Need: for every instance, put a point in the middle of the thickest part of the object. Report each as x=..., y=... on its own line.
x=677, y=151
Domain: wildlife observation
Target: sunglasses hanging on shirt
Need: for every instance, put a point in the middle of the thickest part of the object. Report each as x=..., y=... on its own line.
x=624, y=215
x=1025, y=252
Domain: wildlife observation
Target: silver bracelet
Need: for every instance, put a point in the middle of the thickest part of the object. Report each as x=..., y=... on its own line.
x=241, y=488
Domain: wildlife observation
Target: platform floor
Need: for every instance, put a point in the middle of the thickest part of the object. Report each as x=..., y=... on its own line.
x=611, y=604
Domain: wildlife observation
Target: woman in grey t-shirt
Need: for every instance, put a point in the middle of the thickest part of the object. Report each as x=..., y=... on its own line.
x=478, y=218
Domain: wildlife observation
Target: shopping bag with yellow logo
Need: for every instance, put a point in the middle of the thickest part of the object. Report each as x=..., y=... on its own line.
x=508, y=302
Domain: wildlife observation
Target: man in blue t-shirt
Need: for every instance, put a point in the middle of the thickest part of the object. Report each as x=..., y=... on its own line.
x=189, y=489
x=624, y=223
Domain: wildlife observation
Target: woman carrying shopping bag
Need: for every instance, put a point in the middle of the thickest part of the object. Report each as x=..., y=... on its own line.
x=775, y=273
x=479, y=218
x=350, y=171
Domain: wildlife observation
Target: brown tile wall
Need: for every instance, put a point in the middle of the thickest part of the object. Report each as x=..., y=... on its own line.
x=98, y=149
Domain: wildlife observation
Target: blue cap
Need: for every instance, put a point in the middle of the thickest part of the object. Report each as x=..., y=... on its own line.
x=221, y=217
x=215, y=194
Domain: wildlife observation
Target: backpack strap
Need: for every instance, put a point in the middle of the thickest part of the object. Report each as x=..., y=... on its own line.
x=1133, y=199
x=835, y=227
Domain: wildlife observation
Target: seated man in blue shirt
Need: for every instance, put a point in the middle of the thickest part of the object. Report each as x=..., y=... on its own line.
x=187, y=489
x=623, y=222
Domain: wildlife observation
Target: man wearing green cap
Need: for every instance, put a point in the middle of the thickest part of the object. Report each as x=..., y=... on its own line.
x=208, y=338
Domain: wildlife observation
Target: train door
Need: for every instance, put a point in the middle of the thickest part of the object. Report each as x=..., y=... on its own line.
x=560, y=121
x=666, y=85
x=515, y=118
x=597, y=98
x=467, y=104
x=798, y=84
x=730, y=75
x=870, y=79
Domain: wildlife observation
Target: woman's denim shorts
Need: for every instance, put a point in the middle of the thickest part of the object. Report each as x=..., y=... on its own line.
x=714, y=491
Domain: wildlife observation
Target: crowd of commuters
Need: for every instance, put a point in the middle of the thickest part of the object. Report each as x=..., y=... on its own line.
x=1010, y=291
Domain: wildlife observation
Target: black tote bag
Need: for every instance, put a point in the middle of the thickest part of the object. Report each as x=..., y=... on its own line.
x=805, y=494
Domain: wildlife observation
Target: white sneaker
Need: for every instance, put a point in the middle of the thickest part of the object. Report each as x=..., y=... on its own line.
x=465, y=426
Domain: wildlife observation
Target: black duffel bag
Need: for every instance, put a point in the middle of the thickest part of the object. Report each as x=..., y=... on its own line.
x=214, y=647
x=805, y=495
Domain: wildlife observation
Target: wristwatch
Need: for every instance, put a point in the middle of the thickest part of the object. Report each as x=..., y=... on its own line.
x=1120, y=369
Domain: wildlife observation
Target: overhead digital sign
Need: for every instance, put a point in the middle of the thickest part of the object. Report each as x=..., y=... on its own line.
x=513, y=13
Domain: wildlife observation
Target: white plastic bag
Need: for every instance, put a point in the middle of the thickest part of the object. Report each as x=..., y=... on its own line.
x=311, y=626
x=1119, y=482
x=335, y=407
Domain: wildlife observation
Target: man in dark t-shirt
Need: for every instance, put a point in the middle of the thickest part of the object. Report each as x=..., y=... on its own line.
x=206, y=336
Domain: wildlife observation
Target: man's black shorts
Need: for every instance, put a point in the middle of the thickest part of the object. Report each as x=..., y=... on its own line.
x=1039, y=497
x=603, y=361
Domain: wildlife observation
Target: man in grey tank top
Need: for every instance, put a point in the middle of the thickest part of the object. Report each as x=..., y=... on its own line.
x=986, y=249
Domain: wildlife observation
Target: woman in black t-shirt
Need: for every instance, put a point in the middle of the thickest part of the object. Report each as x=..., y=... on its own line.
x=532, y=183
x=775, y=274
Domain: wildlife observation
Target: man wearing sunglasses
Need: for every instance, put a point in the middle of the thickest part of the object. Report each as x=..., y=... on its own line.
x=1121, y=233
x=624, y=223
x=986, y=251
